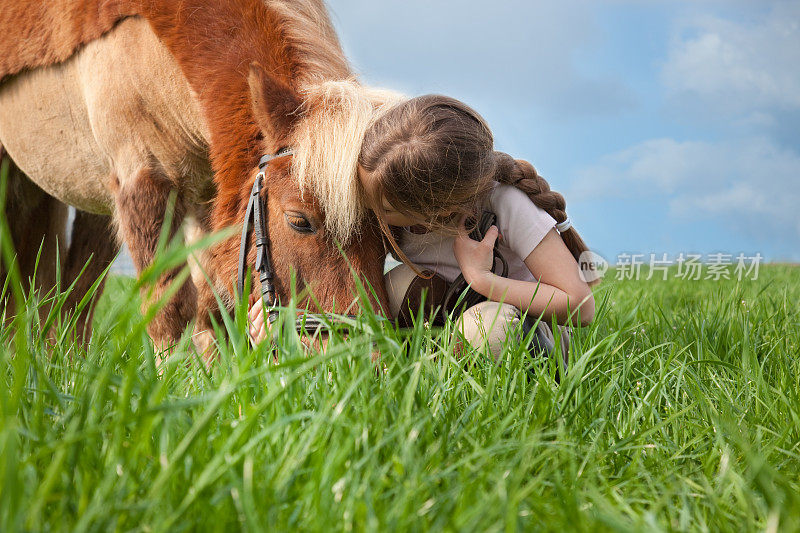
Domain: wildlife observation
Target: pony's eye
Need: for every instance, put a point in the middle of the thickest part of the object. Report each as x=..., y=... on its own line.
x=299, y=223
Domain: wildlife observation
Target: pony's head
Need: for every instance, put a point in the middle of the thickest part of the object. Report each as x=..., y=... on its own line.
x=317, y=226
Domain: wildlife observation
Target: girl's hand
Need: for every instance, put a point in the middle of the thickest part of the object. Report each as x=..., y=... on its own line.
x=257, y=328
x=476, y=259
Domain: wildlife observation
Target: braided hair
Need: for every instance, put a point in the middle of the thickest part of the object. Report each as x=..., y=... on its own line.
x=522, y=175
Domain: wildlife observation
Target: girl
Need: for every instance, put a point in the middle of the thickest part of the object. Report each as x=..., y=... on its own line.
x=426, y=165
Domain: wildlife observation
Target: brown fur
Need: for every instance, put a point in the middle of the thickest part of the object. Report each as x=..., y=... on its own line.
x=142, y=205
x=213, y=42
x=36, y=222
x=199, y=35
x=39, y=33
x=216, y=45
x=205, y=37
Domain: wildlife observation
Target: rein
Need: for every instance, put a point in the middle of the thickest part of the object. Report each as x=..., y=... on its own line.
x=257, y=214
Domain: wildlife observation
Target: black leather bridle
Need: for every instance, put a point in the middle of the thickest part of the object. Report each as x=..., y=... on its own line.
x=257, y=215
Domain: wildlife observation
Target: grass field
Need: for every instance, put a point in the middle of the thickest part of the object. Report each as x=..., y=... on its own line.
x=680, y=410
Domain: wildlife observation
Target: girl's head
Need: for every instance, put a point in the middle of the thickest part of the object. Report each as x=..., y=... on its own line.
x=431, y=160
x=428, y=159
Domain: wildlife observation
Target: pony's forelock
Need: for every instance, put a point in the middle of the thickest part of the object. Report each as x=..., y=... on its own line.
x=327, y=142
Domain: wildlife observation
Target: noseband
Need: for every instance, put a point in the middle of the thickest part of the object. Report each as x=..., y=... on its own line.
x=257, y=214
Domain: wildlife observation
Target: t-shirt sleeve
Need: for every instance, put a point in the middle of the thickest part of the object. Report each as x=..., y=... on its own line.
x=522, y=224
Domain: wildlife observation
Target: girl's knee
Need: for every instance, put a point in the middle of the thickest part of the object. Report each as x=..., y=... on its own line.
x=487, y=324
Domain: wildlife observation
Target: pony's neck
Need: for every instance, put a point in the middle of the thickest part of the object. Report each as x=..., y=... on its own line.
x=214, y=43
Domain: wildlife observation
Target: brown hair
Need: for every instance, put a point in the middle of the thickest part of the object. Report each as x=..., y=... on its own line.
x=432, y=158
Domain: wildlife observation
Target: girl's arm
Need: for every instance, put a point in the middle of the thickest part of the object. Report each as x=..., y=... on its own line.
x=560, y=292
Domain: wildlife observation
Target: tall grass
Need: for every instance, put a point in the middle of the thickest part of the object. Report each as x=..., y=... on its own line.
x=679, y=411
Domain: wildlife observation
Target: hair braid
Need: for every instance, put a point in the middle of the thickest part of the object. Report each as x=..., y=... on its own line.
x=522, y=175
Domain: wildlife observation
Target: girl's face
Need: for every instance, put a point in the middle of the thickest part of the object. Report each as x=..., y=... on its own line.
x=389, y=214
x=394, y=217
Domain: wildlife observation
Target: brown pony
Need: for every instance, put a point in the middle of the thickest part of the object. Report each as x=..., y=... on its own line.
x=113, y=106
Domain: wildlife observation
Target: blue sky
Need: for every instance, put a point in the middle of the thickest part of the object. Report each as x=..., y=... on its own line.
x=669, y=126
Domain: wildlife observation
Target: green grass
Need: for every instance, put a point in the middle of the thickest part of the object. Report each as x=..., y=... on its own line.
x=679, y=411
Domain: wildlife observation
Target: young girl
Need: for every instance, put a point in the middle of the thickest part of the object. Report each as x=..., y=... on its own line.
x=426, y=165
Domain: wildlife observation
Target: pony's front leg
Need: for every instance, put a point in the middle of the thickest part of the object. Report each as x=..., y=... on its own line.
x=141, y=205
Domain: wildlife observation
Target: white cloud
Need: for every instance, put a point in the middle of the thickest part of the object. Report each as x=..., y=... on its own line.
x=740, y=66
x=518, y=52
x=750, y=184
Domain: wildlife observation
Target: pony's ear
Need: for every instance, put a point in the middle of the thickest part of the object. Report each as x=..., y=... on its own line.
x=275, y=104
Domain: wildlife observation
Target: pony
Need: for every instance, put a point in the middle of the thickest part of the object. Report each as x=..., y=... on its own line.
x=115, y=107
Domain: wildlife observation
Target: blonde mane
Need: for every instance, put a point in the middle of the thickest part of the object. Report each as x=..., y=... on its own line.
x=336, y=113
x=327, y=143
x=306, y=24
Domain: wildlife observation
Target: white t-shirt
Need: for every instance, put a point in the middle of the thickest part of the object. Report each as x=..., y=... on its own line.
x=522, y=224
